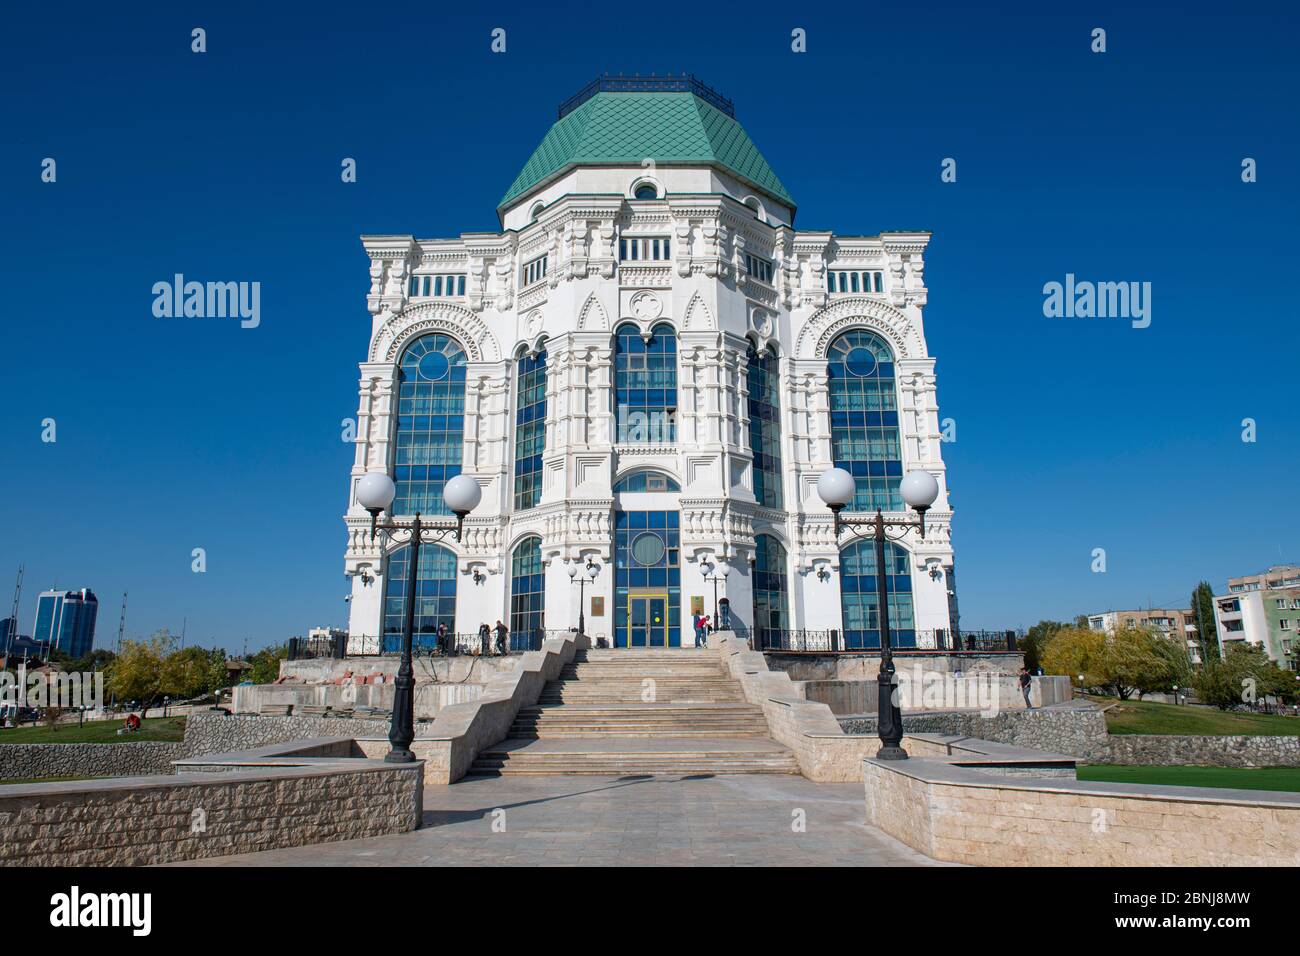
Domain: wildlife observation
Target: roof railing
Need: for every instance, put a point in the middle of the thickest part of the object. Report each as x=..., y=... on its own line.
x=683, y=83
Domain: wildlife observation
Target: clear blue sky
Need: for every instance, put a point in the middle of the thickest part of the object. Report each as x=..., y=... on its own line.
x=1071, y=434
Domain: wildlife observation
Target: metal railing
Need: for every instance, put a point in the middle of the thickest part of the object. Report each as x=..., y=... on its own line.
x=305, y=649
x=936, y=641
x=683, y=83
x=459, y=644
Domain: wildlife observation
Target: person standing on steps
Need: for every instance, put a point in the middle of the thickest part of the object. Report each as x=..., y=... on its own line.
x=697, y=621
x=503, y=639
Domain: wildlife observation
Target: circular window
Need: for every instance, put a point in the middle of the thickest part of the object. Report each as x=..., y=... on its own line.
x=646, y=191
x=860, y=361
x=647, y=549
x=434, y=366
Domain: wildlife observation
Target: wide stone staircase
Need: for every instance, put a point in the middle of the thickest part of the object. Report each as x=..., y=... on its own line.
x=634, y=711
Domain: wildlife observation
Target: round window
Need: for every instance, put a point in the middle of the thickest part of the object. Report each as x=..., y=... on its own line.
x=860, y=361
x=646, y=191
x=647, y=549
x=434, y=366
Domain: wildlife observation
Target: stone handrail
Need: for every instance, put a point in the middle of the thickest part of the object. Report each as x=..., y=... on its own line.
x=460, y=731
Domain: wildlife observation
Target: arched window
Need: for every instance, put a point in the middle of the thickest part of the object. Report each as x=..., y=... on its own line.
x=536, y=211
x=864, y=419
x=765, y=426
x=858, y=595
x=435, y=596
x=430, y=424
x=530, y=430
x=771, y=607
x=646, y=191
x=527, y=595
x=647, y=481
x=647, y=579
x=645, y=384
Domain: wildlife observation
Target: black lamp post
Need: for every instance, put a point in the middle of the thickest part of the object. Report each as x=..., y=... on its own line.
x=592, y=570
x=375, y=493
x=715, y=573
x=919, y=488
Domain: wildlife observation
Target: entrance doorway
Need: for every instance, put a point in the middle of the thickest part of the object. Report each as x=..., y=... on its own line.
x=647, y=621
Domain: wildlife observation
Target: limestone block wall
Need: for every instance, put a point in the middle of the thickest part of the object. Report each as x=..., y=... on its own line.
x=867, y=666
x=138, y=821
x=959, y=815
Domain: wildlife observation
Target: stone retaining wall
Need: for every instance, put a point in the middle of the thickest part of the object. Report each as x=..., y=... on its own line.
x=213, y=733
x=25, y=761
x=1153, y=749
x=1079, y=733
x=135, y=821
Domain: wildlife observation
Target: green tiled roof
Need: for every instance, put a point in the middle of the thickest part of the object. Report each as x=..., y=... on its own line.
x=627, y=128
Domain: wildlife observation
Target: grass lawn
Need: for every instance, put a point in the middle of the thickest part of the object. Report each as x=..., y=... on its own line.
x=1265, y=778
x=95, y=732
x=1148, y=717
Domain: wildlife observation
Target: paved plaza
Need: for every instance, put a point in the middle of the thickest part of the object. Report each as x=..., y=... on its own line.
x=699, y=820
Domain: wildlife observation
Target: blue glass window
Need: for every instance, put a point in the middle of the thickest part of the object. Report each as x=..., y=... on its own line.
x=647, y=579
x=435, y=596
x=765, y=427
x=645, y=385
x=530, y=430
x=430, y=424
x=859, y=602
x=646, y=481
x=864, y=419
x=771, y=584
x=527, y=595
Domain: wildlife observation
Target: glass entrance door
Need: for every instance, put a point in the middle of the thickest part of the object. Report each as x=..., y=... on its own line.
x=647, y=619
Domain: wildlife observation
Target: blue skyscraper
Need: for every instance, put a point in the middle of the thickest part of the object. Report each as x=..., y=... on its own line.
x=66, y=619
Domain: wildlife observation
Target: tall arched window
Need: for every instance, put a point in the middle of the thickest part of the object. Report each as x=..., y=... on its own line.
x=527, y=595
x=771, y=607
x=645, y=384
x=864, y=419
x=530, y=430
x=858, y=595
x=435, y=596
x=765, y=426
x=430, y=424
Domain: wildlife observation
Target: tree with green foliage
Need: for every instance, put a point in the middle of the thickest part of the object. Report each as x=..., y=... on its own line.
x=1075, y=652
x=1243, y=676
x=1207, y=632
x=187, y=673
x=1130, y=661
x=266, y=663
x=1035, y=640
x=137, y=672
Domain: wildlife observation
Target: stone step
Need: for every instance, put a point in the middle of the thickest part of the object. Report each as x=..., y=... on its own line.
x=493, y=762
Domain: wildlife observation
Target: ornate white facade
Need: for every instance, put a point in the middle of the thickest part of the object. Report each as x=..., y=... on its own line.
x=718, y=309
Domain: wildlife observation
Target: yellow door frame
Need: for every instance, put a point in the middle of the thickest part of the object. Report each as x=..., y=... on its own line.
x=647, y=595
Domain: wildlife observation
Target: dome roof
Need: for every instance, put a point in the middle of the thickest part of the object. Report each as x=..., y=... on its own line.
x=600, y=127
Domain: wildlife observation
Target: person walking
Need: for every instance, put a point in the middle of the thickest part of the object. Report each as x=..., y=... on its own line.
x=1025, y=683
x=484, y=640
x=503, y=639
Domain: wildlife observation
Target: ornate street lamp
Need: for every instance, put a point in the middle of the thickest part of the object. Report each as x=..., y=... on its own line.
x=715, y=573
x=375, y=493
x=919, y=488
x=593, y=569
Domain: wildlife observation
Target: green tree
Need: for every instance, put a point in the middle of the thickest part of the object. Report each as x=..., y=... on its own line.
x=1207, y=632
x=1035, y=640
x=218, y=675
x=137, y=671
x=1075, y=651
x=187, y=673
x=1243, y=676
x=1139, y=660
x=266, y=663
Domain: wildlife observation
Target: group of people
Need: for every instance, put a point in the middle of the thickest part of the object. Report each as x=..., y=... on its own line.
x=447, y=640
x=702, y=626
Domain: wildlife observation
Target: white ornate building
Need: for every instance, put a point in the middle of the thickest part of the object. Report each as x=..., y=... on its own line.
x=648, y=367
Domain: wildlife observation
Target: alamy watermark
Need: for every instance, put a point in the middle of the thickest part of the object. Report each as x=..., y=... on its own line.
x=209, y=300
x=51, y=689
x=1082, y=299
